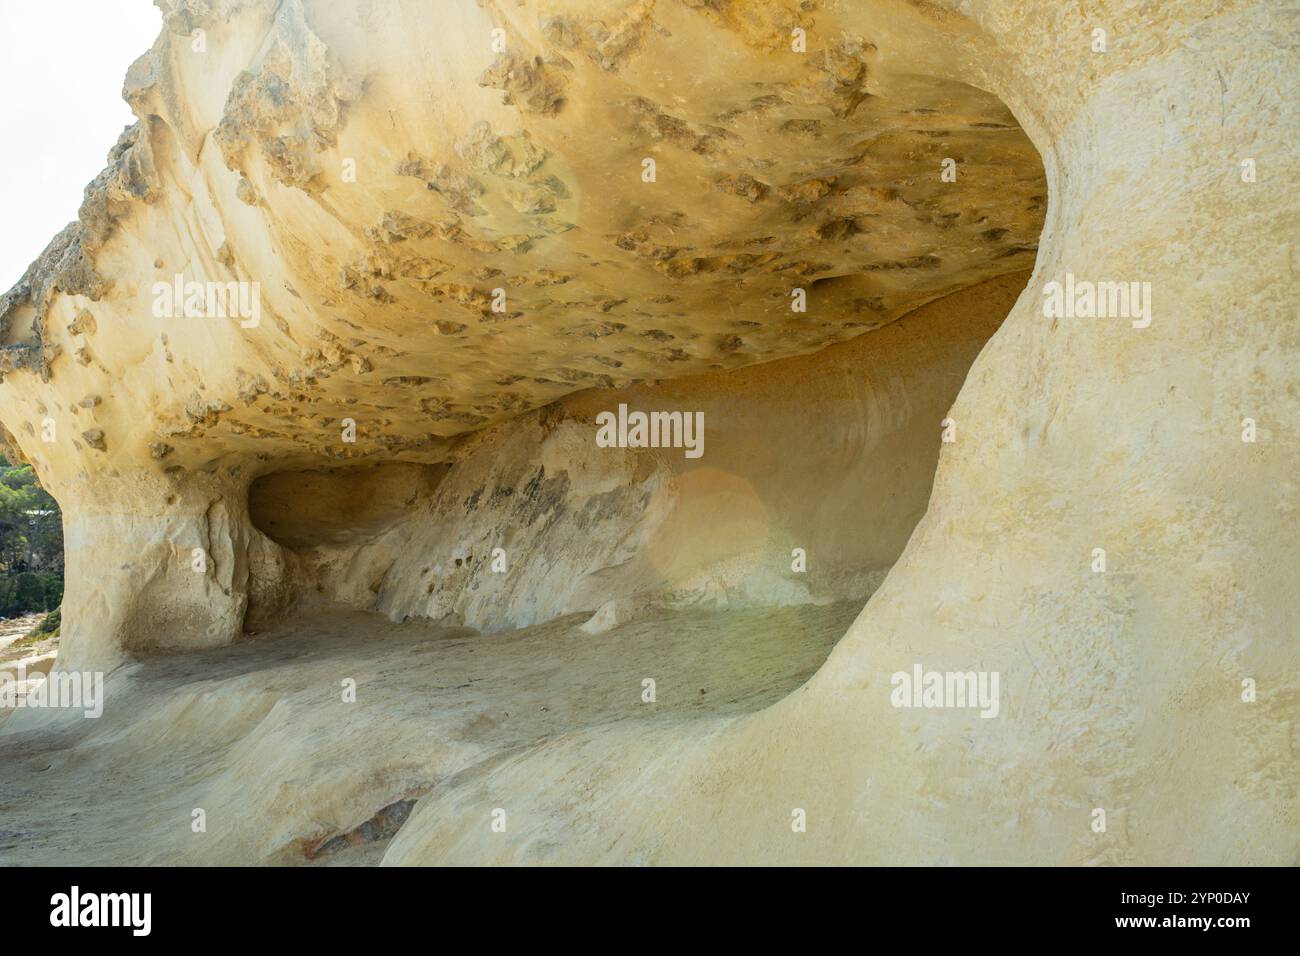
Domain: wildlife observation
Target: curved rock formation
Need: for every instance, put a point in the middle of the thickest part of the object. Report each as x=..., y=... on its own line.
x=338, y=327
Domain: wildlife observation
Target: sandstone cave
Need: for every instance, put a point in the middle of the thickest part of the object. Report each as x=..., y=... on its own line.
x=359, y=576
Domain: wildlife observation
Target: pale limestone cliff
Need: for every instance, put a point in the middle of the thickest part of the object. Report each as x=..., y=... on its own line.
x=461, y=259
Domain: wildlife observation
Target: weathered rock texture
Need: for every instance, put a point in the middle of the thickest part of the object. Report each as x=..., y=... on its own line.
x=459, y=256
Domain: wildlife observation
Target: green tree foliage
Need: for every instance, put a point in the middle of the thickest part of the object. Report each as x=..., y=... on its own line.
x=31, y=544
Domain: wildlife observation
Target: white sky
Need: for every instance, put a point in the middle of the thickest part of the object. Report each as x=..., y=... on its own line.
x=61, y=68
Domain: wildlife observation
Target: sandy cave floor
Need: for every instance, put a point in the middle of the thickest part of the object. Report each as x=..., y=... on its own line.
x=258, y=736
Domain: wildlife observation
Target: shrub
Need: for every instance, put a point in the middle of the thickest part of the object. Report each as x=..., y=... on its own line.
x=49, y=626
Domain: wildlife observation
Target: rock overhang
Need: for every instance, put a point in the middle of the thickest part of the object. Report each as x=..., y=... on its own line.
x=594, y=209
